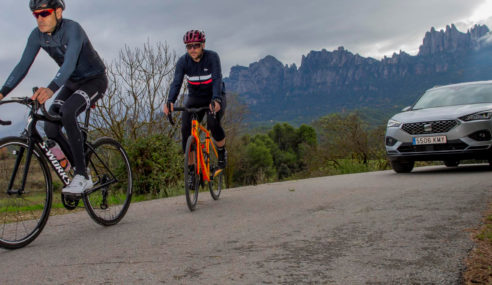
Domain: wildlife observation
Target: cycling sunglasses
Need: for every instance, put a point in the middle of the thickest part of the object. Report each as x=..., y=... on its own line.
x=43, y=13
x=195, y=46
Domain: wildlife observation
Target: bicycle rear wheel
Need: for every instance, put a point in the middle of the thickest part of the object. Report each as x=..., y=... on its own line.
x=192, y=179
x=23, y=214
x=216, y=182
x=108, y=201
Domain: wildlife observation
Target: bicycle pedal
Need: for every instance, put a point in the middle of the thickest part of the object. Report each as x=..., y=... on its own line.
x=217, y=172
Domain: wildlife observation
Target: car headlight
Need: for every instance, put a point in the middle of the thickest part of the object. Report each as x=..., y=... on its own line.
x=477, y=116
x=393, y=124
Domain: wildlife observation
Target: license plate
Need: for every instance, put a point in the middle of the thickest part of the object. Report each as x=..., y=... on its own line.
x=430, y=140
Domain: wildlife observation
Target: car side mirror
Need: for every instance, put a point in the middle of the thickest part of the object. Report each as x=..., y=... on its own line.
x=407, y=108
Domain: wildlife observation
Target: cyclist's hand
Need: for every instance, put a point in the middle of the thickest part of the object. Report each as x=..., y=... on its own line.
x=166, y=108
x=42, y=95
x=1, y=96
x=215, y=108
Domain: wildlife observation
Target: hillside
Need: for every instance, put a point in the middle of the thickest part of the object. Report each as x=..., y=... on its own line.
x=327, y=82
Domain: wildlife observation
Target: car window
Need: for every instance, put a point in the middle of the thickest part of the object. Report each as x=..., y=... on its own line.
x=455, y=95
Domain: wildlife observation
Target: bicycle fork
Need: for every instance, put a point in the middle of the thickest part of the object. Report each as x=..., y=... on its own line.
x=18, y=161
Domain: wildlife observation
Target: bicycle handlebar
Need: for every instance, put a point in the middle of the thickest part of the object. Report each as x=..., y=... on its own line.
x=29, y=102
x=184, y=109
x=25, y=101
x=52, y=118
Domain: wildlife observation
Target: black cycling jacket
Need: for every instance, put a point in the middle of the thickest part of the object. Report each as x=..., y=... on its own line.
x=69, y=46
x=204, y=77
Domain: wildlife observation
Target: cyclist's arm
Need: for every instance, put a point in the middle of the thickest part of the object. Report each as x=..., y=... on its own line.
x=216, y=78
x=76, y=37
x=178, y=80
x=20, y=71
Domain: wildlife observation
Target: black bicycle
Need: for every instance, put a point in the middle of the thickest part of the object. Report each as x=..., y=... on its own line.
x=26, y=188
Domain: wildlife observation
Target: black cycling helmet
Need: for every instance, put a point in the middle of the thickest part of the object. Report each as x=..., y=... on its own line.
x=44, y=4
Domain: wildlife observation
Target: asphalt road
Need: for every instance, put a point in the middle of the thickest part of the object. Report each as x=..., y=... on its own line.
x=372, y=228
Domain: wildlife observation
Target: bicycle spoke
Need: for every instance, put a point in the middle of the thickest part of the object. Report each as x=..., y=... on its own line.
x=108, y=202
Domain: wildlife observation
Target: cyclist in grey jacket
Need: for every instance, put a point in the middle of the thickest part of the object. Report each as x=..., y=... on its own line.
x=82, y=74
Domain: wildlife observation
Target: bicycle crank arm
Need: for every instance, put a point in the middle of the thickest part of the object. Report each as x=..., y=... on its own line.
x=16, y=192
x=217, y=172
x=97, y=188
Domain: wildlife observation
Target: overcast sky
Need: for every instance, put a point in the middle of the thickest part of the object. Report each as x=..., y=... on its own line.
x=242, y=31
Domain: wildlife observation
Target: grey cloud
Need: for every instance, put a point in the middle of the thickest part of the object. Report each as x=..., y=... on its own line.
x=241, y=31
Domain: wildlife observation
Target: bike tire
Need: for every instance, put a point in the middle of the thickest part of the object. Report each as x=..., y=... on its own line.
x=23, y=216
x=192, y=180
x=108, y=161
x=216, y=182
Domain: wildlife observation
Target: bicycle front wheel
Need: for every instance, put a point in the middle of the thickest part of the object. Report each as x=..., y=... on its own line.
x=24, y=211
x=192, y=178
x=108, y=201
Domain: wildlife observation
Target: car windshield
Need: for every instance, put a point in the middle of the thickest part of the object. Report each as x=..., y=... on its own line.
x=455, y=95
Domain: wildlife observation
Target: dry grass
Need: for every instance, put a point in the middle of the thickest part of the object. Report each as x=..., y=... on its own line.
x=479, y=262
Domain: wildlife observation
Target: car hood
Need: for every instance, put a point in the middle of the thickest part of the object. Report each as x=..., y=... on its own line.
x=441, y=113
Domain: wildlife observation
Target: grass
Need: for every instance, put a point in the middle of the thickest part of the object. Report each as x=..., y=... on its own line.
x=168, y=192
x=479, y=262
x=342, y=166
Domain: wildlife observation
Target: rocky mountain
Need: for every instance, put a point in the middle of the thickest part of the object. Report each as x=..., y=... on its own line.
x=329, y=82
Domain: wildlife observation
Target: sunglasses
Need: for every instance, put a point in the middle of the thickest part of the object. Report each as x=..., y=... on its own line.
x=195, y=46
x=43, y=13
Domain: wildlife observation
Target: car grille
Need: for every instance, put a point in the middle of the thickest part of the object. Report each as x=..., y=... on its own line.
x=450, y=146
x=434, y=127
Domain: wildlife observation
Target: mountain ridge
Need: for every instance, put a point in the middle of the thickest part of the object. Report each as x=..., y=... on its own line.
x=327, y=82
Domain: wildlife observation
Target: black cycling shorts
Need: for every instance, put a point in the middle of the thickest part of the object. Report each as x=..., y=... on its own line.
x=73, y=99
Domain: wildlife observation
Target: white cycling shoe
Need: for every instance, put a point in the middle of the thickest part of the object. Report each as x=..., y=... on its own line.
x=78, y=186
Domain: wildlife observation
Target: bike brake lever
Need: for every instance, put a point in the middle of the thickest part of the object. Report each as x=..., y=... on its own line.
x=170, y=114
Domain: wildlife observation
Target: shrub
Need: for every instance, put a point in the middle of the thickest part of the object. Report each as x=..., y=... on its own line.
x=157, y=163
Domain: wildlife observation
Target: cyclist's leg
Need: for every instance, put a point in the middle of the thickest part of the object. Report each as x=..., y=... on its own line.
x=185, y=128
x=213, y=123
x=81, y=100
x=190, y=102
x=54, y=131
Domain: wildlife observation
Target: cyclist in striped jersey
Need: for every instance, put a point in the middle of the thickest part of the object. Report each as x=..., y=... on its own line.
x=203, y=74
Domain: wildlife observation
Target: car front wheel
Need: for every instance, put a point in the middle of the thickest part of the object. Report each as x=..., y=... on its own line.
x=402, y=167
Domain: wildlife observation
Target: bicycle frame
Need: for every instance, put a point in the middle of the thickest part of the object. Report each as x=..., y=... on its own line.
x=202, y=149
x=34, y=138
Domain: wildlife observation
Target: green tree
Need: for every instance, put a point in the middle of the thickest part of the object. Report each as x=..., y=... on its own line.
x=284, y=135
x=257, y=164
x=344, y=136
x=307, y=134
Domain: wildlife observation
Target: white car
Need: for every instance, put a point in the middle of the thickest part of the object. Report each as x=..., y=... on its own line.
x=448, y=123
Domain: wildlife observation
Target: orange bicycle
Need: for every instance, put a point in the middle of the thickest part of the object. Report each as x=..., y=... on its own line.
x=201, y=161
